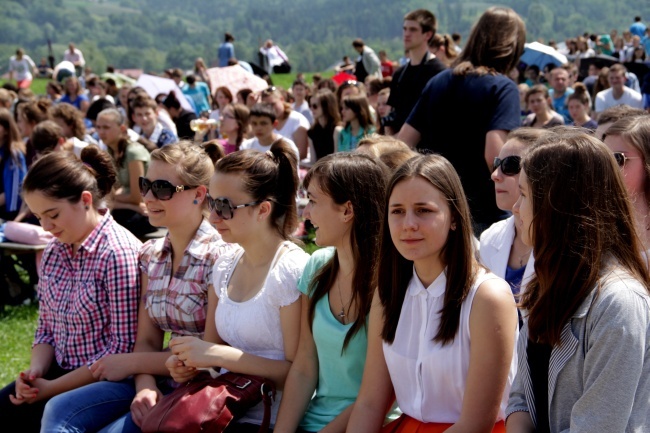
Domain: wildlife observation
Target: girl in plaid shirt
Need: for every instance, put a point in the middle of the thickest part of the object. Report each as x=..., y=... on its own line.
x=89, y=284
x=176, y=278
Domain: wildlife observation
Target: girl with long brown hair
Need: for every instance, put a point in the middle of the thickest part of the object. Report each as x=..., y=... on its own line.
x=434, y=295
x=584, y=345
x=346, y=199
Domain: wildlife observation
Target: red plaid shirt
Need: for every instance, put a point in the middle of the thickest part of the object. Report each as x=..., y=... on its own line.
x=89, y=301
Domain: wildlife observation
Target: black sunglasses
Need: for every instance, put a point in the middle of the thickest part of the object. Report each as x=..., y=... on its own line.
x=510, y=165
x=622, y=158
x=349, y=83
x=314, y=106
x=269, y=90
x=224, y=208
x=161, y=189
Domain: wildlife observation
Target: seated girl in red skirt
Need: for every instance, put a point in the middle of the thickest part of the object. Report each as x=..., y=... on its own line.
x=442, y=330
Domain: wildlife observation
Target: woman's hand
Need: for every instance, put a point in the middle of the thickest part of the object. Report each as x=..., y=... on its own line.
x=26, y=392
x=113, y=367
x=142, y=404
x=194, y=352
x=179, y=371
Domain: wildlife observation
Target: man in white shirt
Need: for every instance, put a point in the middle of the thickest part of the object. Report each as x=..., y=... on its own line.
x=278, y=62
x=76, y=57
x=617, y=94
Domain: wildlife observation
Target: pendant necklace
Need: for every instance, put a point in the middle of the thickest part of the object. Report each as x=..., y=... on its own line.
x=342, y=314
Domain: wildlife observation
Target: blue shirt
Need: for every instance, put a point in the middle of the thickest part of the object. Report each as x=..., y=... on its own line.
x=225, y=53
x=453, y=116
x=638, y=28
x=199, y=95
x=561, y=104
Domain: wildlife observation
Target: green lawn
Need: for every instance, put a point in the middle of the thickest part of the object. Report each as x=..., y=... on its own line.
x=17, y=326
x=282, y=80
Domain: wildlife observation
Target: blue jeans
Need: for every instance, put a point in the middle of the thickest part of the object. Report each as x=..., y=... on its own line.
x=124, y=423
x=88, y=408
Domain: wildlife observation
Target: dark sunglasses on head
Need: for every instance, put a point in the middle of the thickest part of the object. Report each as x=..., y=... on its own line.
x=510, y=165
x=224, y=208
x=269, y=90
x=349, y=83
x=161, y=189
x=622, y=158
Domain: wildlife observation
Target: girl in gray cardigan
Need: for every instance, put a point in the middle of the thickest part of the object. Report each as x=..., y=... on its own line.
x=584, y=362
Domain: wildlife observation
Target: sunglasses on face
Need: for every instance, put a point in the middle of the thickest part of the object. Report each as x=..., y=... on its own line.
x=510, y=165
x=314, y=106
x=224, y=208
x=622, y=158
x=161, y=189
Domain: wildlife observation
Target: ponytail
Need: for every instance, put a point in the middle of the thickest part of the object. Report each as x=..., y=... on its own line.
x=272, y=176
x=288, y=179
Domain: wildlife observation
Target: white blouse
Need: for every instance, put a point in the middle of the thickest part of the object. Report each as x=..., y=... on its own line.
x=253, y=326
x=429, y=379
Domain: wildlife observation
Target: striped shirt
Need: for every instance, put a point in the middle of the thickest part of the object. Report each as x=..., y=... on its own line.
x=89, y=300
x=178, y=303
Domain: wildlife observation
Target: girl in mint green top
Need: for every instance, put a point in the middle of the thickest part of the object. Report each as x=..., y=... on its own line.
x=355, y=114
x=346, y=202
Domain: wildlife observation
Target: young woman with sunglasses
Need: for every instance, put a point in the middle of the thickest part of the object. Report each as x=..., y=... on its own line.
x=444, y=336
x=253, y=321
x=326, y=123
x=583, y=350
x=346, y=199
x=502, y=248
x=89, y=283
x=176, y=279
x=629, y=140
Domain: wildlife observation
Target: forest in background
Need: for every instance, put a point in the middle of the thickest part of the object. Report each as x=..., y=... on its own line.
x=156, y=34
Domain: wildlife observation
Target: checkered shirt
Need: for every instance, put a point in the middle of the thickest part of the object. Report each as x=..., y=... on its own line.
x=178, y=303
x=89, y=300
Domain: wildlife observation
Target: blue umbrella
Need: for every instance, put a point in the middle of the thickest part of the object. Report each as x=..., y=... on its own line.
x=541, y=55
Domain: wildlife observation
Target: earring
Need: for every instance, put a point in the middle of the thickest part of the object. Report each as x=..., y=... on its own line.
x=86, y=207
x=195, y=202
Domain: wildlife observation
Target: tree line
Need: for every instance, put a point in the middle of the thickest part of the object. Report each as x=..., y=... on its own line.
x=156, y=34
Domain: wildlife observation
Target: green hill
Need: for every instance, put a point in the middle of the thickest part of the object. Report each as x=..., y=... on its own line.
x=154, y=34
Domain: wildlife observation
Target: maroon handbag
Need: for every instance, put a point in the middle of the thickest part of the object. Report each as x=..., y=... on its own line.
x=209, y=405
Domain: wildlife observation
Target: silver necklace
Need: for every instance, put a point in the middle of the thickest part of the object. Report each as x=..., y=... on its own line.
x=342, y=314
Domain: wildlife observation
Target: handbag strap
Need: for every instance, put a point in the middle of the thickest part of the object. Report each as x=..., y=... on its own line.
x=268, y=395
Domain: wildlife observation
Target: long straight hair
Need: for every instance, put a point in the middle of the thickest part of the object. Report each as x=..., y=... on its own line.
x=361, y=180
x=395, y=272
x=582, y=217
x=494, y=45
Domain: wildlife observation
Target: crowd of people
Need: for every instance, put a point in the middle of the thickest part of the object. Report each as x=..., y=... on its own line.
x=483, y=261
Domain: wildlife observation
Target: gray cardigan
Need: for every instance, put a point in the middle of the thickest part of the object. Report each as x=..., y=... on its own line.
x=599, y=375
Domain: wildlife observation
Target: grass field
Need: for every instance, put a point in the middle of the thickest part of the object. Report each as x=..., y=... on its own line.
x=282, y=80
x=17, y=326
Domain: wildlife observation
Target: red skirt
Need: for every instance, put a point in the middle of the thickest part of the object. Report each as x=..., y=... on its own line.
x=406, y=424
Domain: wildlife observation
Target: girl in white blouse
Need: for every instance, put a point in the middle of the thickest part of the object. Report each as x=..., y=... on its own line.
x=445, y=334
x=253, y=320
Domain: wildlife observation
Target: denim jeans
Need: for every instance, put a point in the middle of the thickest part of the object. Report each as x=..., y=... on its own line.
x=88, y=408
